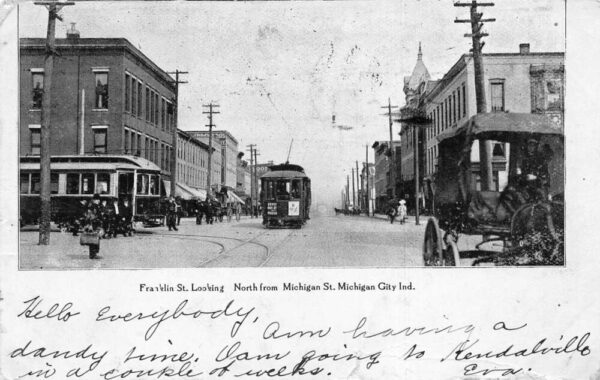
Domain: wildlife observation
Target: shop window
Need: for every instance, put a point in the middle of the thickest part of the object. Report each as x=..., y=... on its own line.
x=38, y=89
x=101, y=83
x=100, y=140
x=87, y=183
x=103, y=183
x=72, y=183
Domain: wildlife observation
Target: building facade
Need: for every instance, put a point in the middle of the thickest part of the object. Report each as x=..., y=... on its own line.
x=107, y=98
x=381, y=177
x=192, y=162
x=227, y=153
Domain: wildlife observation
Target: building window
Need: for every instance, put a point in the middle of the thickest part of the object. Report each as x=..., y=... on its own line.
x=100, y=139
x=554, y=99
x=134, y=96
x=458, y=98
x=497, y=93
x=127, y=93
x=163, y=113
x=464, y=94
x=156, y=111
x=101, y=83
x=36, y=145
x=147, y=110
x=454, y=107
x=126, y=141
x=140, y=99
x=38, y=89
x=24, y=183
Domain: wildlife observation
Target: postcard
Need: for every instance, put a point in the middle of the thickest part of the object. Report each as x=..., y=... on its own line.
x=311, y=189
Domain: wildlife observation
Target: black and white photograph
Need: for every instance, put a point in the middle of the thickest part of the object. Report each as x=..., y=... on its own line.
x=317, y=189
x=291, y=134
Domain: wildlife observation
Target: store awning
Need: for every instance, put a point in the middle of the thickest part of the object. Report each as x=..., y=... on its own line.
x=233, y=198
x=184, y=192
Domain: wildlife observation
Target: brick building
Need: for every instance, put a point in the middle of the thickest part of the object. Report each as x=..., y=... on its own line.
x=227, y=151
x=107, y=98
x=192, y=165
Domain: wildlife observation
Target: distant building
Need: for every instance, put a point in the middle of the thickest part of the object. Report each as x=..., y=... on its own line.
x=107, y=98
x=243, y=177
x=381, y=180
x=192, y=165
x=228, y=155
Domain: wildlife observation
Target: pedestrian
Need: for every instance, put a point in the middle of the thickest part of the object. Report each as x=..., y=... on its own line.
x=78, y=216
x=392, y=211
x=229, y=212
x=172, y=214
x=125, y=215
x=92, y=227
x=402, y=211
x=238, y=211
x=200, y=211
x=179, y=210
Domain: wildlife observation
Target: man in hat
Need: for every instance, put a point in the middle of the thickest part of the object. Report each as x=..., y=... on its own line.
x=93, y=223
x=532, y=172
x=172, y=214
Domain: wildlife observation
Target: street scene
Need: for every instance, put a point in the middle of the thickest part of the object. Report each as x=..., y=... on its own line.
x=280, y=134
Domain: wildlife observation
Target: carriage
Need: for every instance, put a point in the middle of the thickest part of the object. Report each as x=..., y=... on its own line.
x=77, y=177
x=285, y=196
x=519, y=226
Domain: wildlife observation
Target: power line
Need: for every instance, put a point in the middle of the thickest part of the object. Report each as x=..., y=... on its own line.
x=211, y=111
x=177, y=82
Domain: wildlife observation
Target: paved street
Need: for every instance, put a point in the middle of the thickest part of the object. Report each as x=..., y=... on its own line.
x=326, y=241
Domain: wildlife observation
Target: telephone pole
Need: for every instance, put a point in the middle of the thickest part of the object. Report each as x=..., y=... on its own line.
x=392, y=150
x=45, y=199
x=368, y=195
x=347, y=191
x=353, y=192
x=174, y=132
x=485, y=146
x=357, y=186
x=211, y=111
x=251, y=146
x=256, y=154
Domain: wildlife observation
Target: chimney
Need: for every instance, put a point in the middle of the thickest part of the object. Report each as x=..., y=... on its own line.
x=72, y=33
x=523, y=48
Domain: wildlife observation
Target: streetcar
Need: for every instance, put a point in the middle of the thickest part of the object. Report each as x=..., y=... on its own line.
x=77, y=177
x=285, y=196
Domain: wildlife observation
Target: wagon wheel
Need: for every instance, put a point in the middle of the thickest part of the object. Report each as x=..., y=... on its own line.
x=433, y=246
x=451, y=253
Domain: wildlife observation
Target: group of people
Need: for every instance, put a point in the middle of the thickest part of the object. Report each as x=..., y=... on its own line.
x=102, y=217
x=211, y=210
x=397, y=209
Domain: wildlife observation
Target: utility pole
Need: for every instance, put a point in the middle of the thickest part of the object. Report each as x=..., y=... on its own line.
x=357, y=186
x=353, y=192
x=392, y=150
x=45, y=198
x=211, y=111
x=251, y=146
x=174, y=132
x=368, y=195
x=256, y=154
x=347, y=191
x=485, y=146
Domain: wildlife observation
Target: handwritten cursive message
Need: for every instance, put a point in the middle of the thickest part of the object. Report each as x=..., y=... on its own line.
x=197, y=340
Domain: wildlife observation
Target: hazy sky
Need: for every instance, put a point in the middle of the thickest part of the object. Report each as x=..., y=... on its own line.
x=280, y=69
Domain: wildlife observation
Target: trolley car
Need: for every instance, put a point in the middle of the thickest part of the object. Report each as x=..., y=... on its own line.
x=522, y=226
x=74, y=178
x=285, y=196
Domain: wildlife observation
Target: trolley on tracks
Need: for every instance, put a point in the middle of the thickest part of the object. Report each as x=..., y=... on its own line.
x=524, y=223
x=76, y=177
x=285, y=196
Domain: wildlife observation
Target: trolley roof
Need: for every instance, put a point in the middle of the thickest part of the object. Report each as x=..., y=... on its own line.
x=286, y=170
x=90, y=162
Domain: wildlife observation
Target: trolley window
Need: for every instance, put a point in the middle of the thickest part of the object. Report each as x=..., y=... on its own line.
x=103, y=183
x=35, y=183
x=283, y=189
x=53, y=183
x=87, y=183
x=72, y=183
x=154, y=185
x=24, y=183
x=296, y=188
x=142, y=184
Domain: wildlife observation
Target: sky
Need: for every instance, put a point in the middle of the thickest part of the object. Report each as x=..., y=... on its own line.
x=279, y=70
